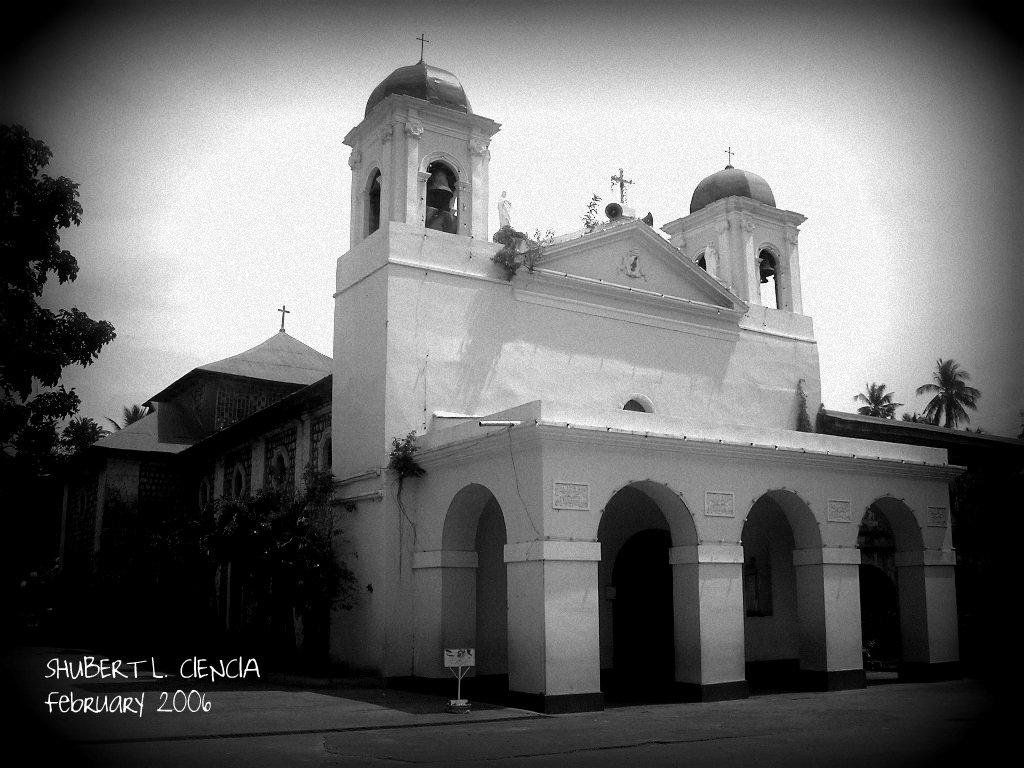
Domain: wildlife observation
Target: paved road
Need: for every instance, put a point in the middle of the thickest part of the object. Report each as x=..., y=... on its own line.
x=883, y=725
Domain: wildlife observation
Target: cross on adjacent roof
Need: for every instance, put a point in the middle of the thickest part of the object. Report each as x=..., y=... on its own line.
x=622, y=181
x=423, y=39
x=283, y=312
x=730, y=153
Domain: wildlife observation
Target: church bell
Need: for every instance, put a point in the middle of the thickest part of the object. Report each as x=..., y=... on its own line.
x=439, y=193
x=767, y=269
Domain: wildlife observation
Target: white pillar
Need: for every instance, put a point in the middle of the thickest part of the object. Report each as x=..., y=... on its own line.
x=413, y=180
x=794, y=297
x=479, y=158
x=828, y=611
x=707, y=607
x=553, y=628
x=928, y=617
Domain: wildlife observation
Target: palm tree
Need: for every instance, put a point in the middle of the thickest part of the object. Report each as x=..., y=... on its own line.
x=878, y=402
x=130, y=415
x=952, y=395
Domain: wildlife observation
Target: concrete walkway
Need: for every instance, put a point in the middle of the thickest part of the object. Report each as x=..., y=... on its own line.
x=281, y=725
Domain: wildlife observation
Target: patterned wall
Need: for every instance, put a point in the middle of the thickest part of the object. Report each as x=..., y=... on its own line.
x=236, y=400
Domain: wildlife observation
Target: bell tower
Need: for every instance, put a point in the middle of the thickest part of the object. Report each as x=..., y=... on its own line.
x=737, y=234
x=420, y=156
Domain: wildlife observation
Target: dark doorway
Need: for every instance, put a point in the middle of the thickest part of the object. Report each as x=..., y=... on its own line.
x=642, y=626
x=879, y=594
x=879, y=619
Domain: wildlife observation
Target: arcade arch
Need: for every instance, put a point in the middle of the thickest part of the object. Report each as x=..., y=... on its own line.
x=887, y=530
x=780, y=612
x=639, y=648
x=474, y=599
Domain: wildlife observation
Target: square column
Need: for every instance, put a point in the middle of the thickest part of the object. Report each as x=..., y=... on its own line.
x=828, y=611
x=928, y=617
x=554, y=658
x=444, y=584
x=707, y=609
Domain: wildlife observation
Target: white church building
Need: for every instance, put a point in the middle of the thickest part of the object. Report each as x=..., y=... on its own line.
x=616, y=493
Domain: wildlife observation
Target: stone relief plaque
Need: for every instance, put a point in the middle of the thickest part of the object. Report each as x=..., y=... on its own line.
x=936, y=517
x=719, y=504
x=838, y=511
x=571, y=496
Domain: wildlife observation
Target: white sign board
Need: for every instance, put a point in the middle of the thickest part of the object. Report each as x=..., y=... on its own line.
x=460, y=657
x=571, y=496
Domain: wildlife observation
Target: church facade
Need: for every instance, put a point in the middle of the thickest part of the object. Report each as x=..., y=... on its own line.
x=622, y=491
x=616, y=493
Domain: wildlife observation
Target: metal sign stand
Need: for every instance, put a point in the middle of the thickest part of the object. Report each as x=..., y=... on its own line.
x=459, y=661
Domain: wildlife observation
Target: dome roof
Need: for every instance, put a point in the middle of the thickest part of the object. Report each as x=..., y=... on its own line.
x=731, y=182
x=422, y=81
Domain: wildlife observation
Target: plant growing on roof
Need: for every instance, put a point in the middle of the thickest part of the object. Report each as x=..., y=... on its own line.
x=519, y=249
x=402, y=459
x=590, y=218
x=803, y=419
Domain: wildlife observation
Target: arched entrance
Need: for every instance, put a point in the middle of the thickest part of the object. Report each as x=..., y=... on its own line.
x=879, y=594
x=893, y=599
x=474, y=593
x=776, y=616
x=638, y=644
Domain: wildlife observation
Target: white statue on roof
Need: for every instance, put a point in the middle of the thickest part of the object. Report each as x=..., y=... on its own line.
x=504, y=211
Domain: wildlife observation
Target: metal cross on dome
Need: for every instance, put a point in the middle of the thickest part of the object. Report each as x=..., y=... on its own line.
x=423, y=39
x=621, y=181
x=284, y=311
x=730, y=153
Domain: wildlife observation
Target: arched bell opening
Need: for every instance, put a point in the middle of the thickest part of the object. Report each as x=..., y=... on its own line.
x=778, y=524
x=702, y=261
x=768, y=274
x=373, y=190
x=637, y=606
x=474, y=602
x=442, y=210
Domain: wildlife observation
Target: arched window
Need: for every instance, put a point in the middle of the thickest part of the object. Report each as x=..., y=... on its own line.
x=639, y=403
x=442, y=198
x=373, y=203
x=701, y=261
x=238, y=482
x=325, y=456
x=279, y=469
x=768, y=272
x=205, y=494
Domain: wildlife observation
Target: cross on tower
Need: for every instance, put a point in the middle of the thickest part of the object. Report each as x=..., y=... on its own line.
x=283, y=312
x=730, y=153
x=622, y=181
x=422, y=38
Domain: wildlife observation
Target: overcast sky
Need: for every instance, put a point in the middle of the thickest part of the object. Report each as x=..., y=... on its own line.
x=207, y=143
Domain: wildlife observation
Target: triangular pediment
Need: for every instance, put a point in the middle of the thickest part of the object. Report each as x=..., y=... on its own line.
x=634, y=257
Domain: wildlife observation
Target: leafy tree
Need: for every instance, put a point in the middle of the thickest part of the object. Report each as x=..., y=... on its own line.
x=282, y=547
x=952, y=394
x=916, y=418
x=877, y=401
x=79, y=434
x=129, y=415
x=37, y=343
